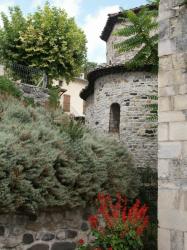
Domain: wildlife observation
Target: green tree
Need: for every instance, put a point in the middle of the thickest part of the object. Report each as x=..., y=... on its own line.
x=47, y=39
x=140, y=35
x=89, y=66
x=10, y=35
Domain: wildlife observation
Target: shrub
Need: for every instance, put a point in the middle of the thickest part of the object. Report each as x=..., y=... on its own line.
x=47, y=160
x=54, y=96
x=116, y=226
x=8, y=87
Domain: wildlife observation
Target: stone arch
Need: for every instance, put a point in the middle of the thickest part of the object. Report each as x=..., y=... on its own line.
x=114, y=122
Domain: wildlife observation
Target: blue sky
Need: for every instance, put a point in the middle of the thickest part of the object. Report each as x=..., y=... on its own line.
x=90, y=15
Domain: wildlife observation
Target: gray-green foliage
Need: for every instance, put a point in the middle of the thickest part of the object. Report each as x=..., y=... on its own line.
x=46, y=160
x=8, y=87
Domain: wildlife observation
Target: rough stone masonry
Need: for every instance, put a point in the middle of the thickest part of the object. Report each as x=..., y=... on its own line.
x=131, y=90
x=172, y=136
x=51, y=230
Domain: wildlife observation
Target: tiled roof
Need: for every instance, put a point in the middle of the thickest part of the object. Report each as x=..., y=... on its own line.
x=115, y=17
x=103, y=70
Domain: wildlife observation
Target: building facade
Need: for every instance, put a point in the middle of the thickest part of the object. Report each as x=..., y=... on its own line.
x=172, y=162
x=70, y=100
x=117, y=98
x=1, y=70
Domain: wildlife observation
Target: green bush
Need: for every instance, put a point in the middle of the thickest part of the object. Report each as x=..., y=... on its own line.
x=8, y=87
x=54, y=96
x=47, y=160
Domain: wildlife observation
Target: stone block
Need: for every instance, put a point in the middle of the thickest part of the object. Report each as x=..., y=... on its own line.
x=47, y=236
x=172, y=77
x=165, y=78
x=180, y=102
x=178, y=131
x=2, y=230
x=177, y=240
x=166, y=47
x=171, y=116
x=11, y=242
x=163, y=168
x=183, y=89
x=164, y=104
x=163, y=132
x=177, y=3
x=179, y=60
x=175, y=27
x=185, y=241
x=84, y=226
x=181, y=43
x=165, y=63
x=164, y=29
x=71, y=234
x=170, y=199
x=184, y=149
x=164, y=240
x=28, y=238
x=63, y=246
x=168, y=91
x=61, y=235
x=172, y=219
x=169, y=150
x=39, y=246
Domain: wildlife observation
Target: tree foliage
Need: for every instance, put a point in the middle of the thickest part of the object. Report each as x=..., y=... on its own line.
x=89, y=66
x=47, y=160
x=141, y=37
x=8, y=87
x=47, y=39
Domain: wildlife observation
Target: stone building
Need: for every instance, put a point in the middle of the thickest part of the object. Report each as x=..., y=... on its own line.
x=117, y=98
x=172, y=162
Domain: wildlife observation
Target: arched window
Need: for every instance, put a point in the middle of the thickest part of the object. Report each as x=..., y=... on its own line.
x=114, y=123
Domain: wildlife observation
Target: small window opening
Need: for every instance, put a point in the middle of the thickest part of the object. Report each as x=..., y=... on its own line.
x=114, y=123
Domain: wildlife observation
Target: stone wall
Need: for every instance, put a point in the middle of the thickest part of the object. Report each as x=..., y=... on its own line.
x=131, y=91
x=50, y=231
x=172, y=165
x=112, y=54
x=37, y=94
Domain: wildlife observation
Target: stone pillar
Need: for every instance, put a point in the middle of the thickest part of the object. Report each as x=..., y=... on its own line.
x=172, y=165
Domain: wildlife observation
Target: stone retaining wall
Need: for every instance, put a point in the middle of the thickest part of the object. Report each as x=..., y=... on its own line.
x=50, y=231
x=38, y=94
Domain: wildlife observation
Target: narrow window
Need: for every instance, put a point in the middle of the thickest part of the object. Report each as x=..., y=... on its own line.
x=60, y=83
x=66, y=103
x=84, y=107
x=114, y=123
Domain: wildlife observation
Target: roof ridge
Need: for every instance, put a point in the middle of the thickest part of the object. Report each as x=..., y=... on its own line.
x=113, y=19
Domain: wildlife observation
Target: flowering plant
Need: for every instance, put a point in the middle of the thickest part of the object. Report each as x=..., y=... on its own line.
x=117, y=227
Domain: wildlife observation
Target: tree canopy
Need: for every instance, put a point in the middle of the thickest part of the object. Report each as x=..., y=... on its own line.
x=47, y=39
x=140, y=35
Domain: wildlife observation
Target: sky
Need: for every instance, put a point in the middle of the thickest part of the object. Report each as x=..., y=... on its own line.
x=90, y=15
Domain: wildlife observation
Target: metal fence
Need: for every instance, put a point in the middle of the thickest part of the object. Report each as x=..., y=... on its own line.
x=27, y=75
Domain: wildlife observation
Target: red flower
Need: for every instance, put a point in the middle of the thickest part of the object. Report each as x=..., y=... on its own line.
x=81, y=242
x=93, y=220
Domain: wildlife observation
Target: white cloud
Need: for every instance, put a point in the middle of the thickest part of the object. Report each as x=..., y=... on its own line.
x=37, y=3
x=72, y=7
x=4, y=7
x=93, y=27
